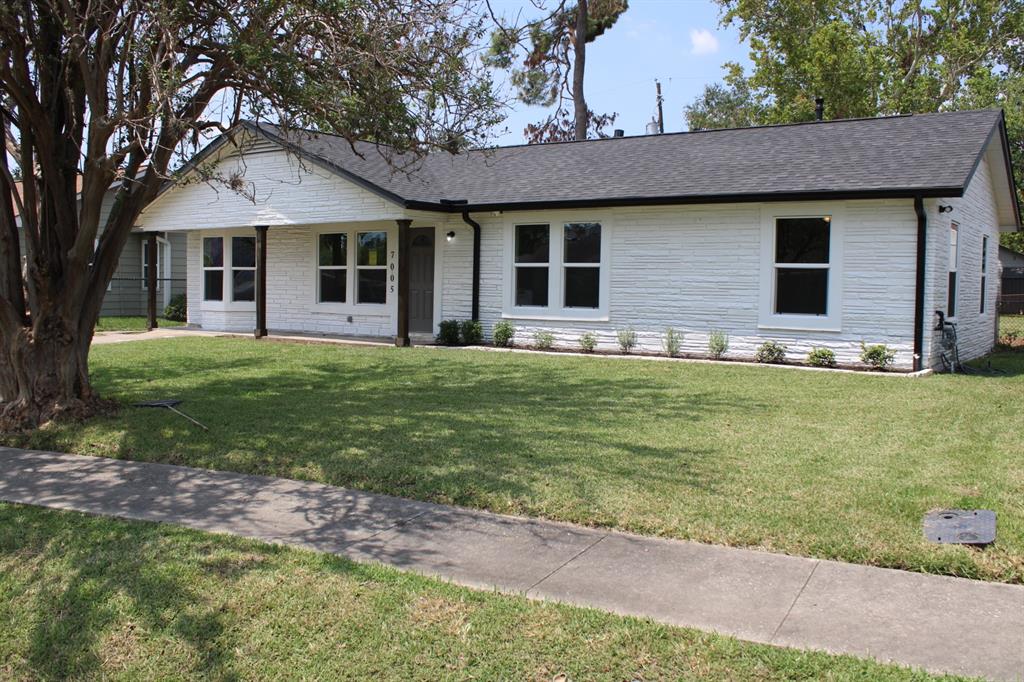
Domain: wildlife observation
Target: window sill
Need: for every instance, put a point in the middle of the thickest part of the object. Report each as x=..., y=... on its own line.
x=562, y=316
x=229, y=307
x=797, y=325
x=349, y=308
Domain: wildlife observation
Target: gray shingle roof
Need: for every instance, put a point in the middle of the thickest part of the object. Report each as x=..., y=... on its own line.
x=929, y=154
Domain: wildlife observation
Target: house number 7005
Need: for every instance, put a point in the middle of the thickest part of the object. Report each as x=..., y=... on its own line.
x=391, y=267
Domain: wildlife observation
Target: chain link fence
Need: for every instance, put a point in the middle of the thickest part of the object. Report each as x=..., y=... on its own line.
x=1011, y=308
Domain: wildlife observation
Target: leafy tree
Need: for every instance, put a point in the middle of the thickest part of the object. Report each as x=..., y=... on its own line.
x=109, y=92
x=1012, y=240
x=552, y=52
x=872, y=57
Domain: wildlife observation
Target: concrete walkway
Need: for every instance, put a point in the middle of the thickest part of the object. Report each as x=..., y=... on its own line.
x=938, y=623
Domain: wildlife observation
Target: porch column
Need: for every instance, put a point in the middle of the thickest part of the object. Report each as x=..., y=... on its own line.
x=151, y=256
x=402, y=338
x=261, y=282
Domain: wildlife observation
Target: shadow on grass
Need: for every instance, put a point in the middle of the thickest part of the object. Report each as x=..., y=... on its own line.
x=417, y=424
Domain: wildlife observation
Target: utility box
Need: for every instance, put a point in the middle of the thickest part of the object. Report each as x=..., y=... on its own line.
x=961, y=526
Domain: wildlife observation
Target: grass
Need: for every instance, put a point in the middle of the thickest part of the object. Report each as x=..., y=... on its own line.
x=91, y=598
x=829, y=465
x=130, y=323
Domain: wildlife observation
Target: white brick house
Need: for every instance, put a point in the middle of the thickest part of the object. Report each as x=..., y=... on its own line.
x=824, y=234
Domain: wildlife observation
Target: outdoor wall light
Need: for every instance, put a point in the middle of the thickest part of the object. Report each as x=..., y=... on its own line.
x=945, y=209
x=450, y=236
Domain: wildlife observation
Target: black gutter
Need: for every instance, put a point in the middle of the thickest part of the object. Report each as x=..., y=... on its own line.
x=922, y=230
x=476, y=253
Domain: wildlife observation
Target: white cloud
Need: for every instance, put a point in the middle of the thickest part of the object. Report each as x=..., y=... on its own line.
x=704, y=41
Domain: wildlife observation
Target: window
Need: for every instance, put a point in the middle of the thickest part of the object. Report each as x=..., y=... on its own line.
x=801, y=263
x=984, y=271
x=582, y=264
x=954, y=257
x=243, y=268
x=532, y=255
x=371, y=267
x=332, y=273
x=213, y=268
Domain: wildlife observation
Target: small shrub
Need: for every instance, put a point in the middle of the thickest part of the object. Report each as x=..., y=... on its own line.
x=672, y=342
x=588, y=342
x=821, y=357
x=878, y=356
x=503, y=334
x=448, y=333
x=627, y=339
x=472, y=332
x=543, y=340
x=177, y=309
x=718, y=344
x=771, y=353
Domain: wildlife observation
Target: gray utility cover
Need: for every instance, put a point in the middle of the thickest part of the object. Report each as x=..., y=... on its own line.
x=961, y=526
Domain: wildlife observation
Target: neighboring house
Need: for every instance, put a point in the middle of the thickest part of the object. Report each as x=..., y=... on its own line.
x=819, y=234
x=1011, y=295
x=126, y=294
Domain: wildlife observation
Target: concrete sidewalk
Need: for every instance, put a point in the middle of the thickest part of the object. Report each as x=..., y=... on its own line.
x=941, y=624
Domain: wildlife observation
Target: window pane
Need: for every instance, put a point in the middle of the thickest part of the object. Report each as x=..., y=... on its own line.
x=801, y=291
x=801, y=240
x=373, y=249
x=243, y=285
x=954, y=246
x=333, y=249
x=213, y=285
x=332, y=286
x=372, y=286
x=984, y=254
x=583, y=243
x=532, y=244
x=532, y=286
x=582, y=287
x=951, y=302
x=982, y=309
x=213, y=252
x=243, y=252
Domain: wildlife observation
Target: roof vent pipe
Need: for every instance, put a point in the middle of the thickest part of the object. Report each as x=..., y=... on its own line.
x=819, y=108
x=652, y=128
x=618, y=133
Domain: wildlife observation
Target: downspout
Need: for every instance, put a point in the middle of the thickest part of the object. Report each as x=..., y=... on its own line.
x=476, y=262
x=922, y=229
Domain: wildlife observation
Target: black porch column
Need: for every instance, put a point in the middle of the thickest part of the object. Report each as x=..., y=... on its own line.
x=151, y=256
x=261, y=282
x=402, y=338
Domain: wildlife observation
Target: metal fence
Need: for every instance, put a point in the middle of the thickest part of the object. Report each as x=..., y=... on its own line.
x=1011, y=308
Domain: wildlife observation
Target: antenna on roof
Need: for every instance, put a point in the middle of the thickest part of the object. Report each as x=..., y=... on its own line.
x=661, y=114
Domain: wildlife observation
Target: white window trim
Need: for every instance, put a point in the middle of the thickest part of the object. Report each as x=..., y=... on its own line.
x=983, y=302
x=556, y=309
x=391, y=253
x=350, y=306
x=953, y=268
x=768, y=318
x=227, y=304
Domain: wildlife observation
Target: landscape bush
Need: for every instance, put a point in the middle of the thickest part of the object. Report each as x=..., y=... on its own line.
x=543, y=340
x=771, y=353
x=878, y=356
x=627, y=339
x=504, y=332
x=448, y=333
x=672, y=342
x=177, y=309
x=588, y=342
x=718, y=344
x=821, y=357
x=472, y=332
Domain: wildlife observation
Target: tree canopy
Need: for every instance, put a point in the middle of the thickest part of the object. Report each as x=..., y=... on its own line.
x=869, y=58
x=106, y=93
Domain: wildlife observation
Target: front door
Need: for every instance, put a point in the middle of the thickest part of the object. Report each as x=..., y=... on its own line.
x=421, y=280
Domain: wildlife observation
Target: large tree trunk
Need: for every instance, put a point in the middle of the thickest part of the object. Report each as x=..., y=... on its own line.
x=579, y=66
x=46, y=376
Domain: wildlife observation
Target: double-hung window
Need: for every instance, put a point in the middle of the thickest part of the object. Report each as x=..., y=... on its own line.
x=332, y=270
x=229, y=269
x=371, y=267
x=801, y=278
x=582, y=265
x=984, y=271
x=213, y=268
x=954, y=258
x=145, y=266
x=243, y=268
x=532, y=265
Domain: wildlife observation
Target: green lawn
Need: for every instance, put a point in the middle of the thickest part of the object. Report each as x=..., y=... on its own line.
x=89, y=598
x=818, y=464
x=131, y=323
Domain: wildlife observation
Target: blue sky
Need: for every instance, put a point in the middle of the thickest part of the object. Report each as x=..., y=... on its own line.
x=679, y=42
